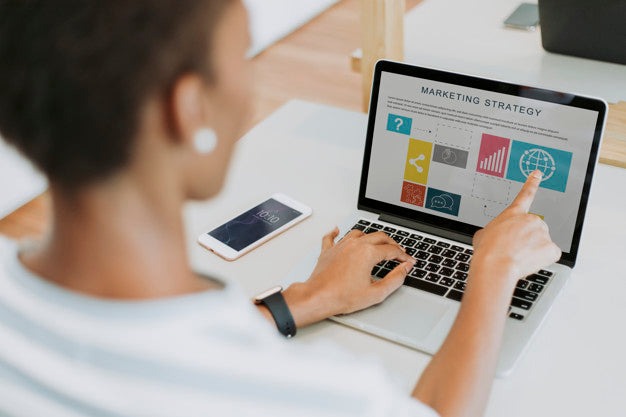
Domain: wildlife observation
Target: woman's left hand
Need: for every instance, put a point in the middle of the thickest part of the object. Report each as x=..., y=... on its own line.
x=342, y=282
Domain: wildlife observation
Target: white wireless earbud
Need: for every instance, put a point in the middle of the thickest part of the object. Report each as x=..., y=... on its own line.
x=205, y=140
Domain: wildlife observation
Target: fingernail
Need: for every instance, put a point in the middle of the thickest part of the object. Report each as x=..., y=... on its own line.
x=408, y=266
x=537, y=174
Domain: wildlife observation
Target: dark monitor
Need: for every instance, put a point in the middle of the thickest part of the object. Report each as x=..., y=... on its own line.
x=594, y=29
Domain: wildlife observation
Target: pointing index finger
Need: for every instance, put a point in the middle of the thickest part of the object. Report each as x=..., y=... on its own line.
x=526, y=195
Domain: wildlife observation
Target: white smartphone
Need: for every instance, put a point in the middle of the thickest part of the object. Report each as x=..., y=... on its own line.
x=256, y=226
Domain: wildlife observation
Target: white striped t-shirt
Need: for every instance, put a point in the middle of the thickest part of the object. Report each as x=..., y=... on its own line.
x=206, y=354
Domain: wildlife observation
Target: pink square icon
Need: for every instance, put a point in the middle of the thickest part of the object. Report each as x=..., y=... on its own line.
x=493, y=155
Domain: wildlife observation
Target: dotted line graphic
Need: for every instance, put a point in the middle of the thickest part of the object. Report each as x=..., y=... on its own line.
x=451, y=144
x=454, y=127
x=507, y=182
x=491, y=215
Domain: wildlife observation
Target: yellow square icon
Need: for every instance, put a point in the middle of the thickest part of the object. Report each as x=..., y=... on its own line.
x=418, y=161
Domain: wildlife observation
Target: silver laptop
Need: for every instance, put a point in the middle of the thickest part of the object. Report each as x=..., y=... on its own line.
x=444, y=154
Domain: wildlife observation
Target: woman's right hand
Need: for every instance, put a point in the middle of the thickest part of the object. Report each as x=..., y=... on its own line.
x=517, y=241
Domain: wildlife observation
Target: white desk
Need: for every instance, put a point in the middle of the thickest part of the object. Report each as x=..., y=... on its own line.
x=19, y=181
x=468, y=36
x=576, y=366
x=272, y=20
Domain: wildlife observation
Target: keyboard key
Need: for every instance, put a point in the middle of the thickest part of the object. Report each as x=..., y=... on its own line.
x=545, y=273
x=443, y=244
x=435, y=259
x=389, y=229
x=446, y=281
x=455, y=295
x=410, y=251
x=516, y=302
x=420, y=264
x=516, y=316
x=457, y=248
x=432, y=267
x=397, y=238
x=432, y=277
x=381, y=263
x=375, y=270
x=446, y=272
x=449, y=253
x=429, y=240
x=364, y=222
x=448, y=262
x=377, y=226
x=462, y=267
x=425, y=286
x=370, y=230
x=525, y=295
x=522, y=284
x=382, y=272
x=463, y=257
x=402, y=233
x=422, y=246
x=418, y=273
x=358, y=227
x=422, y=255
x=391, y=264
x=460, y=286
x=435, y=249
x=535, y=288
x=409, y=242
x=416, y=237
x=469, y=251
x=538, y=279
x=461, y=276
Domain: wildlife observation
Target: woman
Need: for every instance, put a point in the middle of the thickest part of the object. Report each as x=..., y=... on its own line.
x=131, y=108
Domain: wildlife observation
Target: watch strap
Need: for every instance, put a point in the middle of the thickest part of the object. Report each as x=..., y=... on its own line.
x=277, y=306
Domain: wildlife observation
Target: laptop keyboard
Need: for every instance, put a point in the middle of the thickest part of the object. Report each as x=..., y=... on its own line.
x=442, y=268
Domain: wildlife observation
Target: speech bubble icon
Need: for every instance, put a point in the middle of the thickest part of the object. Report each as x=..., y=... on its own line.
x=443, y=201
x=437, y=202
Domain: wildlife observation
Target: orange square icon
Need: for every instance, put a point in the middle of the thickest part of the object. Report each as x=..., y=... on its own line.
x=413, y=193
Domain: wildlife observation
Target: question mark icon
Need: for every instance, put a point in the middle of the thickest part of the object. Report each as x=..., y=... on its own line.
x=399, y=122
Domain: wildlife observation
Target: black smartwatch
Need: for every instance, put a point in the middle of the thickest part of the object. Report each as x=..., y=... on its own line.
x=275, y=302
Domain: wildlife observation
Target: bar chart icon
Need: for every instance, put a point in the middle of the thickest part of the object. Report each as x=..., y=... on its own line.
x=493, y=155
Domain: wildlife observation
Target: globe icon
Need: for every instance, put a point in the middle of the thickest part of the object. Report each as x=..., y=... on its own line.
x=533, y=159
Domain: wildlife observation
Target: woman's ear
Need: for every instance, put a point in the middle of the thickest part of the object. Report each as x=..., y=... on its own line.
x=187, y=109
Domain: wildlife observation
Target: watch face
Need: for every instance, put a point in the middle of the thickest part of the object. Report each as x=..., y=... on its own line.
x=267, y=293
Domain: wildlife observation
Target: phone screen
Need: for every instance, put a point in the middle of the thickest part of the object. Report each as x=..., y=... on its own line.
x=254, y=224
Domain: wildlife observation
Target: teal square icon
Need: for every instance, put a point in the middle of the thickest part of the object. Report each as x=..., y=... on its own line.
x=554, y=163
x=443, y=201
x=399, y=124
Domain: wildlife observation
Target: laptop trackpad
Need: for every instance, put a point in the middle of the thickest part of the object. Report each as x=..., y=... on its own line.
x=405, y=314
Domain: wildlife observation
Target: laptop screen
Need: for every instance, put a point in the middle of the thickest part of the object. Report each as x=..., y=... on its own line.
x=454, y=151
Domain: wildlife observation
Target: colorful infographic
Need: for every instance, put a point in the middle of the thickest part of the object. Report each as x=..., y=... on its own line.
x=418, y=161
x=399, y=124
x=443, y=201
x=527, y=157
x=413, y=193
x=492, y=155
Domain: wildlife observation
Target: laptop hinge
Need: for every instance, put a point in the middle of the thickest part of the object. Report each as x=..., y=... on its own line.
x=423, y=227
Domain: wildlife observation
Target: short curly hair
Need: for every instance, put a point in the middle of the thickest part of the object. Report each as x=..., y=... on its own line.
x=74, y=75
